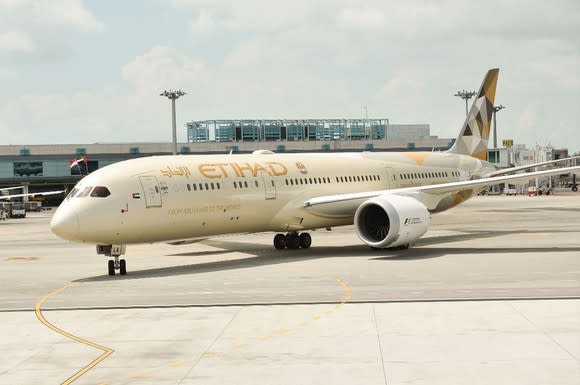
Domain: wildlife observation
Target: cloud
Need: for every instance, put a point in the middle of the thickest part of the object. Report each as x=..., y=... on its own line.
x=161, y=68
x=204, y=24
x=362, y=18
x=261, y=59
x=25, y=24
x=16, y=41
x=127, y=111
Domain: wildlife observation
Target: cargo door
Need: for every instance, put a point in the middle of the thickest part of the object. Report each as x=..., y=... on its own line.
x=151, y=191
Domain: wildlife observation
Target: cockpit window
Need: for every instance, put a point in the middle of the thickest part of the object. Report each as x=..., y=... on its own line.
x=84, y=192
x=72, y=193
x=100, y=192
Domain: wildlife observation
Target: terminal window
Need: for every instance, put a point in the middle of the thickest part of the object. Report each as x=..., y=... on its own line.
x=28, y=169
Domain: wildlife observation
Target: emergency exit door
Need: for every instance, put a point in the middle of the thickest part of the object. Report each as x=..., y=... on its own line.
x=151, y=191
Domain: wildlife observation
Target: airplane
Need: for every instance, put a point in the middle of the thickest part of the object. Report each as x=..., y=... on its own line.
x=389, y=197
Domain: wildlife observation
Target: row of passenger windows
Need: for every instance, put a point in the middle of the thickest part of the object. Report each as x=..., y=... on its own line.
x=339, y=179
x=324, y=180
x=425, y=175
x=203, y=186
x=217, y=186
x=289, y=182
x=245, y=184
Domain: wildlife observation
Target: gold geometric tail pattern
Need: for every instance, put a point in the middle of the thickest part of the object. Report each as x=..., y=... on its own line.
x=474, y=136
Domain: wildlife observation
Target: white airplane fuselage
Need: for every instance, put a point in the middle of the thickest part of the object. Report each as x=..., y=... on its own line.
x=172, y=198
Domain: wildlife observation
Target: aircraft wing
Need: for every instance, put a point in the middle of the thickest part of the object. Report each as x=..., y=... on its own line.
x=346, y=204
x=510, y=170
x=30, y=194
x=11, y=188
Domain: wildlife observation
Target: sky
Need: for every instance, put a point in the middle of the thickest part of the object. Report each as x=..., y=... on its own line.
x=74, y=71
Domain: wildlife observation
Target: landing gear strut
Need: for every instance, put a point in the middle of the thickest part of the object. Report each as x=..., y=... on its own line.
x=292, y=241
x=114, y=251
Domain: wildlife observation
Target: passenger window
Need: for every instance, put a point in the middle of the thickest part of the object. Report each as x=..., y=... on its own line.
x=218, y=185
x=194, y=187
x=100, y=192
x=212, y=186
x=188, y=187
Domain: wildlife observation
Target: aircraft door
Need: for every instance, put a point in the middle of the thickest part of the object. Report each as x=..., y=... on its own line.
x=151, y=190
x=269, y=186
x=390, y=178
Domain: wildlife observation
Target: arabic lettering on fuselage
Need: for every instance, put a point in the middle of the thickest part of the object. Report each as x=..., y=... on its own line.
x=176, y=171
x=226, y=170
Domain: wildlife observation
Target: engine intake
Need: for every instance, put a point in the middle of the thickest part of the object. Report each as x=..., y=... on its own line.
x=391, y=220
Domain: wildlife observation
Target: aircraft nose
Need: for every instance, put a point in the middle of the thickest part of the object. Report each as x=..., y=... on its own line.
x=65, y=224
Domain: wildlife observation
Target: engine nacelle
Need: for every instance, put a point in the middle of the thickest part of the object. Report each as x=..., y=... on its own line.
x=391, y=220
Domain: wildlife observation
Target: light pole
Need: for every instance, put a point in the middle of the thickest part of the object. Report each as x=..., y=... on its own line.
x=173, y=95
x=495, y=110
x=465, y=95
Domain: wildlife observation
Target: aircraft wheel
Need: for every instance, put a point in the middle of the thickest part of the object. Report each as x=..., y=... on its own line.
x=111, y=266
x=305, y=240
x=575, y=188
x=122, y=267
x=280, y=241
x=292, y=241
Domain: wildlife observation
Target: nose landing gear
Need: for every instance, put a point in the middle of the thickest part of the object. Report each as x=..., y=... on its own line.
x=114, y=251
x=292, y=241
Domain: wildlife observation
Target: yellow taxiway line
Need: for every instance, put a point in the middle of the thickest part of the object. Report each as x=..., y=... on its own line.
x=106, y=351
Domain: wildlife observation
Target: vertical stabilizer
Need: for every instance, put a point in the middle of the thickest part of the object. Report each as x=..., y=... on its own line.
x=474, y=135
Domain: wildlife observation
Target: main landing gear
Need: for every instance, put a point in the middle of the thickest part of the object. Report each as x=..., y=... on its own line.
x=114, y=251
x=292, y=241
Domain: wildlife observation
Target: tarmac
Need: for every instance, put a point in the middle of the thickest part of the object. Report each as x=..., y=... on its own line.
x=490, y=295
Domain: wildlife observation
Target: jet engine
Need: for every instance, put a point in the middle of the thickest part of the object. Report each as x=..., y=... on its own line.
x=391, y=220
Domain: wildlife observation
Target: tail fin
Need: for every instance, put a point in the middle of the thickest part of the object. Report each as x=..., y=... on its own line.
x=474, y=135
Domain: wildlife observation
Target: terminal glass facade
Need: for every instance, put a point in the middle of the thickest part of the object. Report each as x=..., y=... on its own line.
x=286, y=130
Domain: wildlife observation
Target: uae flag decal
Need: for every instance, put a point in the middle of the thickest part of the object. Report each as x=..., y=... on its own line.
x=136, y=196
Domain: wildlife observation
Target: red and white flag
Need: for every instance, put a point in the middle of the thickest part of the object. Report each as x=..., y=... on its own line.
x=72, y=163
x=75, y=162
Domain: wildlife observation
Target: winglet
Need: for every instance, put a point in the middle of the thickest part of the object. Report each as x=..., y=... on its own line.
x=474, y=136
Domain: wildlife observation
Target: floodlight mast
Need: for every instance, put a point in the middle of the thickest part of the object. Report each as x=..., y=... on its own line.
x=173, y=95
x=465, y=95
x=495, y=110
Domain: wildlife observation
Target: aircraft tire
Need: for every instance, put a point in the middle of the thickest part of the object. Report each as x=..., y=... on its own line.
x=111, y=266
x=575, y=188
x=292, y=241
x=122, y=267
x=280, y=241
x=305, y=240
